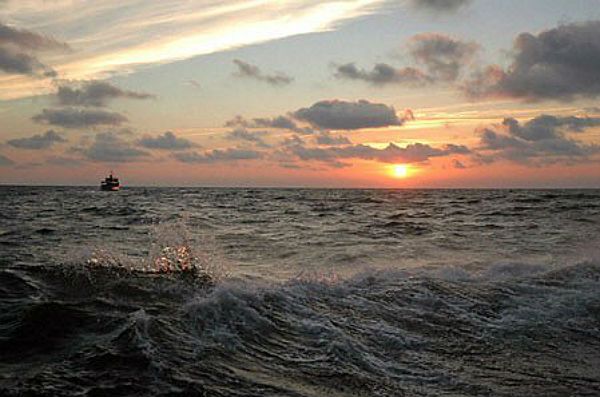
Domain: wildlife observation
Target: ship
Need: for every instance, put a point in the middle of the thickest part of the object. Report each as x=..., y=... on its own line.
x=110, y=183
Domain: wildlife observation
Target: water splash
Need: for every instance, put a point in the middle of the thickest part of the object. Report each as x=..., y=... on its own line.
x=172, y=251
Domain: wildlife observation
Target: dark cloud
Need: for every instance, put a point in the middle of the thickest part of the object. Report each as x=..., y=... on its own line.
x=440, y=5
x=37, y=142
x=15, y=62
x=276, y=122
x=458, y=164
x=538, y=141
x=292, y=141
x=251, y=71
x=79, y=118
x=290, y=165
x=5, y=161
x=28, y=40
x=281, y=122
x=383, y=74
x=413, y=153
x=325, y=138
x=242, y=134
x=457, y=149
x=561, y=63
x=94, y=93
x=443, y=56
x=325, y=155
x=166, y=141
x=16, y=51
x=110, y=147
x=342, y=115
x=218, y=155
x=546, y=126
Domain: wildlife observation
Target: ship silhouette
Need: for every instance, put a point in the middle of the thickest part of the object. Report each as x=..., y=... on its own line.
x=110, y=183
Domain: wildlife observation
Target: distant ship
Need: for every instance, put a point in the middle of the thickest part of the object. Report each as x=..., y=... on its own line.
x=110, y=183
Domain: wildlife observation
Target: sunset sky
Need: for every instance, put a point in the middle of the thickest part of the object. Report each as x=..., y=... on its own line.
x=347, y=93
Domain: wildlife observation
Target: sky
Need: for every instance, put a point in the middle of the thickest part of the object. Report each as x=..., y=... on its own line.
x=301, y=93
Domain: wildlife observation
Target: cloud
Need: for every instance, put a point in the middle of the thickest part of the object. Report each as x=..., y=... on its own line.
x=166, y=141
x=443, y=56
x=279, y=122
x=593, y=109
x=452, y=148
x=458, y=164
x=325, y=138
x=122, y=36
x=539, y=141
x=561, y=63
x=109, y=147
x=382, y=74
x=322, y=116
x=16, y=51
x=251, y=71
x=218, y=155
x=292, y=141
x=5, y=161
x=37, y=142
x=412, y=153
x=545, y=126
x=94, y=93
x=440, y=5
x=14, y=62
x=63, y=161
x=28, y=40
x=276, y=122
x=342, y=115
x=79, y=118
x=242, y=134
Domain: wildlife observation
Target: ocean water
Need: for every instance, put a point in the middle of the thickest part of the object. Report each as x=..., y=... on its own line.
x=299, y=292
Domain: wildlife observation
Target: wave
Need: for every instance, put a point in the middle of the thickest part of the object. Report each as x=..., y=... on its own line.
x=506, y=329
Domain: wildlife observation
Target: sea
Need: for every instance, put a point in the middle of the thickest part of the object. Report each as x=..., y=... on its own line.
x=299, y=292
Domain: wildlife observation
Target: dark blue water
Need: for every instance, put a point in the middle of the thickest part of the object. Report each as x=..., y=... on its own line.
x=274, y=292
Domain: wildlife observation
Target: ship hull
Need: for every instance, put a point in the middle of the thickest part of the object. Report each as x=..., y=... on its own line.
x=109, y=188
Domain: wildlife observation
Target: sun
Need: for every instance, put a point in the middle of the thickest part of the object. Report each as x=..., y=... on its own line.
x=400, y=170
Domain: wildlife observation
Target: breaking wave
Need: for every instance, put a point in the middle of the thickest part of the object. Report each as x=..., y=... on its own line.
x=509, y=330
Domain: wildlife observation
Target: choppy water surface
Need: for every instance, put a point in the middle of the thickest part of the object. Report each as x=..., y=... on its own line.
x=269, y=292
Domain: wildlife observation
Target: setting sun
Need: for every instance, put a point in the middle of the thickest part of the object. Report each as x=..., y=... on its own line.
x=400, y=170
